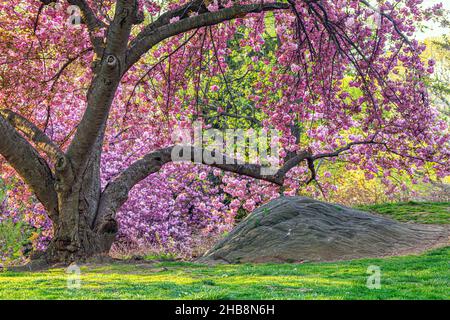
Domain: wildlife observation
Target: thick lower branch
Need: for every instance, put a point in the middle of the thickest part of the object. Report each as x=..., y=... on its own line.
x=196, y=6
x=116, y=192
x=33, y=169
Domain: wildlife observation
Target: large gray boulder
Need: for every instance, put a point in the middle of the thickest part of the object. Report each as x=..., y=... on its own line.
x=297, y=229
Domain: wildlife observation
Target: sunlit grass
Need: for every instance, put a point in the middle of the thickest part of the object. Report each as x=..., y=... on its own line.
x=423, y=276
x=419, y=212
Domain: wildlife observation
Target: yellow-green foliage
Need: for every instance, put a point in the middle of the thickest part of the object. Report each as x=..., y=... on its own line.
x=13, y=236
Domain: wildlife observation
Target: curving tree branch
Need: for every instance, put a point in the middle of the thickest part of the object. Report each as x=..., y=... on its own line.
x=116, y=192
x=32, y=132
x=33, y=169
x=162, y=29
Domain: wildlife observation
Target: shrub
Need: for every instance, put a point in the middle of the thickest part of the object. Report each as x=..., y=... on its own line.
x=15, y=242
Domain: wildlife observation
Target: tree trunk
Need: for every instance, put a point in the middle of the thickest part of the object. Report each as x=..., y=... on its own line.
x=74, y=238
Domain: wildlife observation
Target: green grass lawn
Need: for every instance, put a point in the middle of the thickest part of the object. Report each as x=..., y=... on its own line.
x=425, y=276
x=419, y=212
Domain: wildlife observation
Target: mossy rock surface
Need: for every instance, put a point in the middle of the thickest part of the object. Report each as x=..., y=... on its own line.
x=297, y=229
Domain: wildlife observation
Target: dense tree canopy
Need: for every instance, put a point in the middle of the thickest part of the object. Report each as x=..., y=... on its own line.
x=87, y=110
